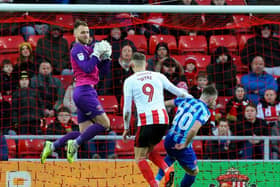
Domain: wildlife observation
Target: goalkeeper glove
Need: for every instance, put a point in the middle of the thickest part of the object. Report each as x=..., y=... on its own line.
x=102, y=50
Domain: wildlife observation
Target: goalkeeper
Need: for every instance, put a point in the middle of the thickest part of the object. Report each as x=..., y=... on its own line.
x=86, y=64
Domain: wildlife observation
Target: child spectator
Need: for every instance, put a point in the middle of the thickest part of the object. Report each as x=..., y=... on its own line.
x=202, y=82
x=62, y=124
x=269, y=110
x=222, y=148
x=251, y=126
x=8, y=81
x=236, y=105
x=27, y=107
x=190, y=71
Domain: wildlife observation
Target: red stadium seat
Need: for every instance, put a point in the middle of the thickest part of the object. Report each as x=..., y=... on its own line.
x=241, y=68
x=198, y=148
x=169, y=39
x=236, y=2
x=125, y=149
x=116, y=123
x=202, y=60
x=139, y=41
x=203, y=2
x=192, y=44
x=228, y=41
x=13, y=57
x=100, y=37
x=30, y=148
x=222, y=101
x=12, y=147
x=65, y=20
x=66, y=80
x=10, y=44
x=243, y=40
x=33, y=39
x=109, y=103
x=7, y=98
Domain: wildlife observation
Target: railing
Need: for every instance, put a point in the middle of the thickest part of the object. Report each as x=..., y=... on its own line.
x=266, y=139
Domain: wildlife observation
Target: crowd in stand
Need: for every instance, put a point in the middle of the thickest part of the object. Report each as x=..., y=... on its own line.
x=36, y=94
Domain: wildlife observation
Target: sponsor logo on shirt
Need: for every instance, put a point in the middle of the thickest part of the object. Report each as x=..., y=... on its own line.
x=81, y=56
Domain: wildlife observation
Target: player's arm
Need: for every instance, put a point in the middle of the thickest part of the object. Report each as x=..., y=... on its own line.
x=174, y=89
x=127, y=107
x=81, y=58
x=170, y=103
x=192, y=133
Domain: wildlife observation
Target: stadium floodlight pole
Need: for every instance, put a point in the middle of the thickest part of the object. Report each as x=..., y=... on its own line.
x=229, y=9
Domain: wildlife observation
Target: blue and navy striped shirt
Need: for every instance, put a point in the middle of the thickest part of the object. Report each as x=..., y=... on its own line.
x=189, y=111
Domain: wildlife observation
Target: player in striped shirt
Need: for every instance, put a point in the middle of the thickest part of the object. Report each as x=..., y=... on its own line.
x=191, y=115
x=146, y=88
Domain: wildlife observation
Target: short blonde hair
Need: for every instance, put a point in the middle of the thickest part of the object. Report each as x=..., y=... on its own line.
x=138, y=59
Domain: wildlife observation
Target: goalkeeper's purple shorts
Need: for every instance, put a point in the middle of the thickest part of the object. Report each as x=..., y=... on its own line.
x=88, y=105
x=186, y=157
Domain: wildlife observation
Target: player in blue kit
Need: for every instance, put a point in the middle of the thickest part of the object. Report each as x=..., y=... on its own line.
x=191, y=115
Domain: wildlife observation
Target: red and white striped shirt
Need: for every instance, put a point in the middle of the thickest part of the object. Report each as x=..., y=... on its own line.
x=270, y=113
x=146, y=90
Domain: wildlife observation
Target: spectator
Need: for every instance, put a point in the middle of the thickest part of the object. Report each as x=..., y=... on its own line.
x=8, y=78
x=201, y=82
x=27, y=107
x=54, y=49
x=174, y=71
x=266, y=46
x=5, y=115
x=51, y=89
x=190, y=71
x=161, y=53
x=268, y=109
x=68, y=100
x=26, y=60
x=221, y=148
x=120, y=71
x=116, y=38
x=236, y=105
x=217, y=20
x=222, y=71
x=257, y=81
x=251, y=126
x=3, y=148
x=62, y=125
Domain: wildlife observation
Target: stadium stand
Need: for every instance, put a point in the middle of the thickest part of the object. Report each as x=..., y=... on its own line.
x=9, y=44
x=109, y=103
x=193, y=44
x=169, y=39
x=30, y=148
x=140, y=42
x=228, y=41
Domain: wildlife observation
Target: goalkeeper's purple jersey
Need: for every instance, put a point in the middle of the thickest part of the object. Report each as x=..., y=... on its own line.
x=85, y=67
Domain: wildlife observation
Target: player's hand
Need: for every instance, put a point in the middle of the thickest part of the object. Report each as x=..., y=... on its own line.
x=102, y=50
x=180, y=146
x=125, y=134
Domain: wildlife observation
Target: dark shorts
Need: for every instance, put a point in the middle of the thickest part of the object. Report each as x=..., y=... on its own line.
x=186, y=157
x=88, y=105
x=150, y=135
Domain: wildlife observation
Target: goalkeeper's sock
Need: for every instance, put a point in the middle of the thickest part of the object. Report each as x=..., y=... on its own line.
x=157, y=159
x=89, y=133
x=169, y=161
x=147, y=172
x=62, y=141
x=187, y=181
